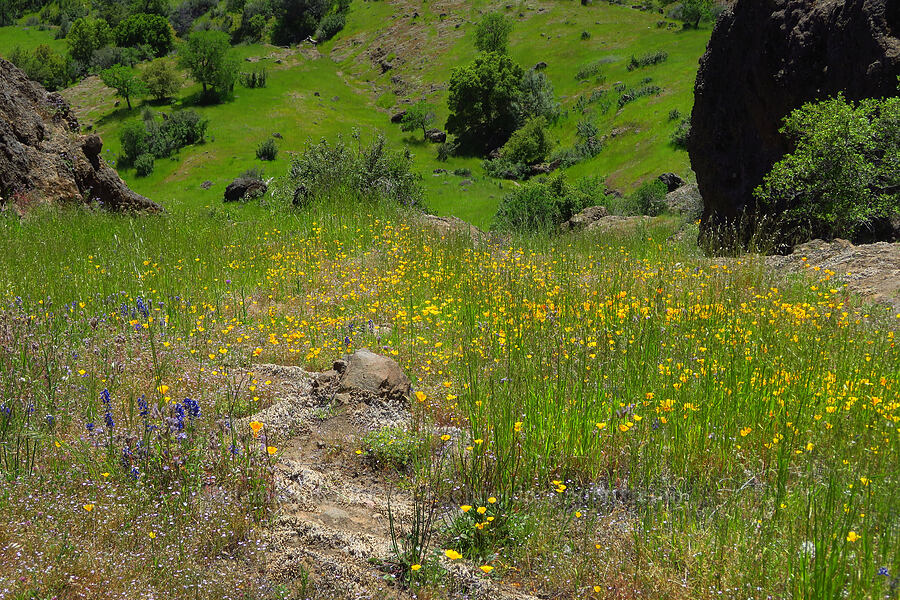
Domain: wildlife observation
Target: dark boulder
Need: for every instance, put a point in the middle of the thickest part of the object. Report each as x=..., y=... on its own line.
x=397, y=117
x=245, y=188
x=671, y=181
x=42, y=154
x=436, y=136
x=766, y=58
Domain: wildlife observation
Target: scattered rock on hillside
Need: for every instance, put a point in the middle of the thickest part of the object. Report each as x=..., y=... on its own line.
x=369, y=372
x=245, y=188
x=206, y=184
x=543, y=168
x=436, y=136
x=449, y=226
x=540, y=66
x=397, y=117
x=589, y=215
x=686, y=200
x=42, y=154
x=766, y=58
x=871, y=270
x=671, y=181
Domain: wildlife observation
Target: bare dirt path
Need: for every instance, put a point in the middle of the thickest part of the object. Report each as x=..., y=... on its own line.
x=332, y=526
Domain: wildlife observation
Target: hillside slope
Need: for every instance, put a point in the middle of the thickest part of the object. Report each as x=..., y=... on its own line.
x=339, y=86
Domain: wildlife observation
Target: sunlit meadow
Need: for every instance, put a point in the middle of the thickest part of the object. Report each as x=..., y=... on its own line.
x=631, y=419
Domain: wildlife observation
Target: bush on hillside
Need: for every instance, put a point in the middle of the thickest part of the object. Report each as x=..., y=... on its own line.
x=682, y=133
x=267, y=150
x=492, y=33
x=646, y=60
x=161, y=79
x=160, y=138
x=843, y=176
x=254, y=79
x=369, y=171
x=329, y=26
x=530, y=144
x=152, y=30
x=483, y=102
x=536, y=97
x=649, y=199
x=46, y=66
x=143, y=165
x=539, y=206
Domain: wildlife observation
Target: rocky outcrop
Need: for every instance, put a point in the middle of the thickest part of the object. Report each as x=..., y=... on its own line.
x=42, y=156
x=685, y=200
x=585, y=218
x=870, y=270
x=766, y=58
x=245, y=188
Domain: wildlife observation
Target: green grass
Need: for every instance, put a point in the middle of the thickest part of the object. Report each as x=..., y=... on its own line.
x=700, y=426
x=28, y=38
x=427, y=50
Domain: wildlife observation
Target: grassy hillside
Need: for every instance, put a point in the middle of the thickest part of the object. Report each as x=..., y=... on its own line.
x=353, y=93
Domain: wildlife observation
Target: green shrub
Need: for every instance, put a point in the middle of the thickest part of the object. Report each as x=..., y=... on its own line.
x=143, y=165
x=682, y=133
x=390, y=447
x=267, y=150
x=482, y=101
x=371, y=172
x=502, y=168
x=446, y=150
x=153, y=30
x=585, y=35
x=591, y=70
x=539, y=206
x=646, y=60
x=528, y=145
x=254, y=79
x=329, y=26
x=634, y=93
x=161, y=79
x=649, y=199
x=133, y=139
x=536, y=97
x=161, y=138
x=492, y=33
x=844, y=174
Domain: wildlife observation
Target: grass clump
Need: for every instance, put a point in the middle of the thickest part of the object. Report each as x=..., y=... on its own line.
x=367, y=171
x=267, y=150
x=647, y=60
x=390, y=447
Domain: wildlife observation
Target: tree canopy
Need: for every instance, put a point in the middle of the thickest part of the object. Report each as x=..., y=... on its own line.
x=483, y=100
x=211, y=61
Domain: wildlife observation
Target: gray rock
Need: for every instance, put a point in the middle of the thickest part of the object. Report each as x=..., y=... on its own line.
x=584, y=219
x=686, y=200
x=373, y=373
x=436, y=136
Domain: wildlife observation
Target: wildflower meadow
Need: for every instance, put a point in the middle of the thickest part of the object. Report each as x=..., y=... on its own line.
x=622, y=417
